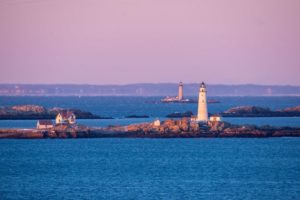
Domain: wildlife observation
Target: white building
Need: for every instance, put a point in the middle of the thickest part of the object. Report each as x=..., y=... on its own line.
x=65, y=117
x=156, y=122
x=202, y=115
x=44, y=124
x=215, y=118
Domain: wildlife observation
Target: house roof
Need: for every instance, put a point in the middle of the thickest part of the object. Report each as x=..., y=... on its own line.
x=45, y=122
x=66, y=114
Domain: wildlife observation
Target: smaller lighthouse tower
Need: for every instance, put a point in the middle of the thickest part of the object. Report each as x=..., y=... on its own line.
x=180, y=91
x=202, y=104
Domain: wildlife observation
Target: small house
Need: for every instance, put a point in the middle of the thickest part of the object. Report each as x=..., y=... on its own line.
x=65, y=117
x=44, y=124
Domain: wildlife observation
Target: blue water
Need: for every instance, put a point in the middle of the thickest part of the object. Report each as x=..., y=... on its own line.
x=216, y=168
x=119, y=107
x=212, y=168
x=273, y=121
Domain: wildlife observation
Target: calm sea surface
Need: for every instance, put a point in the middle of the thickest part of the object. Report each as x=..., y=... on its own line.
x=216, y=168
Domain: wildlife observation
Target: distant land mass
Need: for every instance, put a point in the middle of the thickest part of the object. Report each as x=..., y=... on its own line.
x=145, y=89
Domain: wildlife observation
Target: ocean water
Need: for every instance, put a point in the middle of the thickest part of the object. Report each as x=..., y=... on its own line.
x=198, y=168
x=236, y=168
x=119, y=107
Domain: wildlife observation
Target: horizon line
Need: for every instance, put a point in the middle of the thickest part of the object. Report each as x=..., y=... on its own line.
x=154, y=83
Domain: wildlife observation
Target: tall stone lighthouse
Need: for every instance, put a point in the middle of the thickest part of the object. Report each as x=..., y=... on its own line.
x=180, y=91
x=202, y=104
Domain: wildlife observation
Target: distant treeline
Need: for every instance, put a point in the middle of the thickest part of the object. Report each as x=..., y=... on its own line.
x=159, y=89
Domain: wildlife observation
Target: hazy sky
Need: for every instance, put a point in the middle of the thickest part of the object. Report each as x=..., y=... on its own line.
x=132, y=41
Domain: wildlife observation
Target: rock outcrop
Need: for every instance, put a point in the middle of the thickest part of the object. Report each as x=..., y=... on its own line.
x=29, y=108
x=292, y=109
x=40, y=112
x=254, y=111
x=168, y=129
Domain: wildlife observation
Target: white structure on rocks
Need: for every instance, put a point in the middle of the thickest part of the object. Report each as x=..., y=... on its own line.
x=156, y=122
x=44, y=124
x=215, y=118
x=202, y=104
x=65, y=117
x=180, y=91
x=179, y=98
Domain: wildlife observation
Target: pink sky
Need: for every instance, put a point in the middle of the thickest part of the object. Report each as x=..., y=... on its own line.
x=132, y=41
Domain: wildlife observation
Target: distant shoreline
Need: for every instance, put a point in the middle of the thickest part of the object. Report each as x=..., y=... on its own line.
x=145, y=89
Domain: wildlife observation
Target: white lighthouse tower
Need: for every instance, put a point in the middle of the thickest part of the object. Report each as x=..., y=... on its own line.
x=202, y=104
x=180, y=91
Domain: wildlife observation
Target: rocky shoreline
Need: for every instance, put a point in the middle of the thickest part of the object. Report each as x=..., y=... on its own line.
x=182, y=128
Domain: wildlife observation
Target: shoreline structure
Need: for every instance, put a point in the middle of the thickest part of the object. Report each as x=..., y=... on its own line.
x=195, y=126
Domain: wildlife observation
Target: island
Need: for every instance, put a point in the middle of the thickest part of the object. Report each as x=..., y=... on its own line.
x=246, y=111
x=32, y=112
x=180, y=98
x=182, y=128
x=254, y=111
